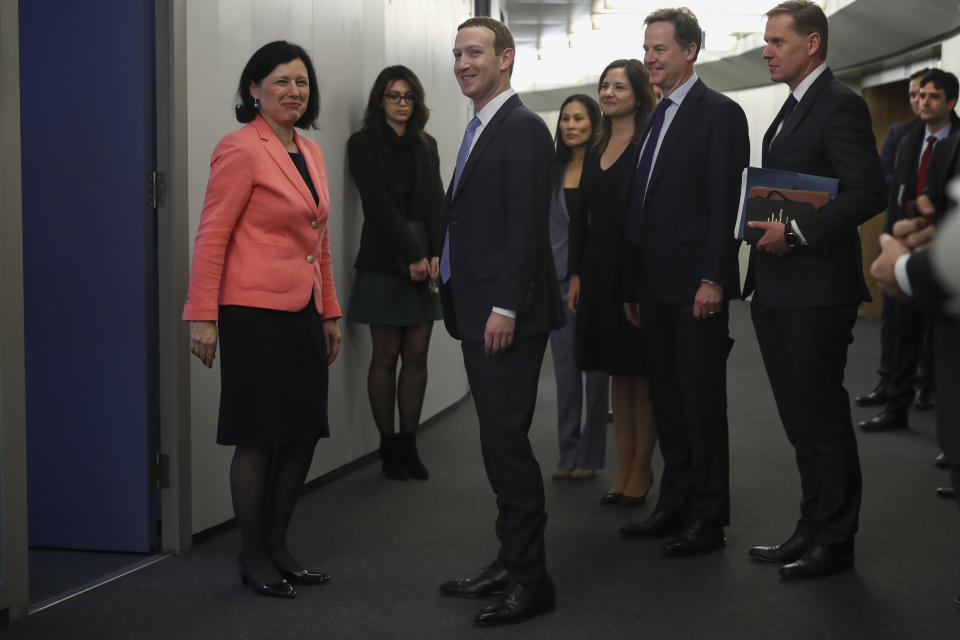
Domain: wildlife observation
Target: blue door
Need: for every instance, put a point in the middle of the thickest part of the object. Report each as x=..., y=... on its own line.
x=87, y=101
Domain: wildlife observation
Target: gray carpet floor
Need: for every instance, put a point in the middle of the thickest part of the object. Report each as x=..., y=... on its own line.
x=389, y=544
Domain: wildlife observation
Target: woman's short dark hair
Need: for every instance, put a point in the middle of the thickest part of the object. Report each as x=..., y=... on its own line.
x=642, y=92
x=375, y=119
x=563, y=151
x=260, y=65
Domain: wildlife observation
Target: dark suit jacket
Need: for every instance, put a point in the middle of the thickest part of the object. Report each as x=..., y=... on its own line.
x=691, y=200
x=828, y=134
x=942, y=167
x=386, y=239
x=498, y=226
x=904, y=185
x=888, y=152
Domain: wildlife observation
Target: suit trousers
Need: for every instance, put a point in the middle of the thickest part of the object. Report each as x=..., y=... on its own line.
x=805, y=353
x=579, y=448
x=688, y=388
x=910, y=331
x=888, y=338
x=504, y=389
x=946, y=341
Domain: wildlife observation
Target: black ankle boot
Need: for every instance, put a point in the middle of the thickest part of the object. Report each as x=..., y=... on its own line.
x=391, y=457
x=411, y=458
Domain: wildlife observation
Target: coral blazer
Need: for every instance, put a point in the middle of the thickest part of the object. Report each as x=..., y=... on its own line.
x=262, y=241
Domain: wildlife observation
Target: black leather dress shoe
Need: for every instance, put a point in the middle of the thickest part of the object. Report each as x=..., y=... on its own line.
x=518, y=603
x=946, y=492
x=660, y=523
x=491, y=581
x=789, y=551
x=282, y=589
x=924, y=399
x=695, y=539
x=817, y=562
x=884, y=421
x=304, y=576
x=875, y=398
x=610, y=498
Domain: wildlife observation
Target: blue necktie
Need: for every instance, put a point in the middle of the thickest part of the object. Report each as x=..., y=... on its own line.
x=635, y=212
x=461, y=160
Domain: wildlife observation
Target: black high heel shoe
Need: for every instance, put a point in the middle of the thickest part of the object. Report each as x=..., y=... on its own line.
x=304, y=576
x=282, y=589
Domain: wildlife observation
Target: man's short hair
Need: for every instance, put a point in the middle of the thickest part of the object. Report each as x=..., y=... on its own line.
x=943, y=80
x=918, y=74
x=502, y=38
x=808, y=18
x=686, y=28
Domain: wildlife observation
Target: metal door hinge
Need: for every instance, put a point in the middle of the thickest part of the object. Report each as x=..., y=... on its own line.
x=163, y=471
x=156, y=190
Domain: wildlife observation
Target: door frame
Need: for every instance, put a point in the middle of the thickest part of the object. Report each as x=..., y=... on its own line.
x=14, y=582
x=173, y=271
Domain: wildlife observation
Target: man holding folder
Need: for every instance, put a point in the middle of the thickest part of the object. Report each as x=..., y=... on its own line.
x=807, y=282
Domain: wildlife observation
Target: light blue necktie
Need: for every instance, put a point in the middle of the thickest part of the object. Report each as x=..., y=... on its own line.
x=461, y=160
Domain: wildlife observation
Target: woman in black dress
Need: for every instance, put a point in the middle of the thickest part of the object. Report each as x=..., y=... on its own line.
x=606, y=341
x=262, y=285
x=397, y=170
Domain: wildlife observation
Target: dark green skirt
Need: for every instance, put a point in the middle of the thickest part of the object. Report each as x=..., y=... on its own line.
x=388, y=299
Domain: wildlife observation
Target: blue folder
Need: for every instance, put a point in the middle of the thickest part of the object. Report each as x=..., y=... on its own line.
x=774, y=179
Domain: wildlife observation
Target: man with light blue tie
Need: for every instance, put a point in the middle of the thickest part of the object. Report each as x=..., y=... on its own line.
x=501, y=300
x=679, y=216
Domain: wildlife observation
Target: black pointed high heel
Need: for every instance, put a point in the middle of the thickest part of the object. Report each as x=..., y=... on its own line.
x=282, y=589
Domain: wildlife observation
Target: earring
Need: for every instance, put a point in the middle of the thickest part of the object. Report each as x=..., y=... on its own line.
x=256, y=103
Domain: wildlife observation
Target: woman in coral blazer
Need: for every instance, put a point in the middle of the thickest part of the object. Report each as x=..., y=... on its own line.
x=262, y=284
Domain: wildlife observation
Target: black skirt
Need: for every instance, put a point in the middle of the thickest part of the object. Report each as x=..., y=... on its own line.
x=273, y=372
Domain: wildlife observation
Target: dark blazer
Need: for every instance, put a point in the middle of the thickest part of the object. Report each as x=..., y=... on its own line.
x=904, y=185
x=498, y=226
x=942, y=167
x=688, y=233
x=828, y=134
x=888, y=152
x=386, y=239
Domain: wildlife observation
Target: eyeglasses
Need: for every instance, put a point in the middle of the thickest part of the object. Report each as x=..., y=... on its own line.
x=395, y=97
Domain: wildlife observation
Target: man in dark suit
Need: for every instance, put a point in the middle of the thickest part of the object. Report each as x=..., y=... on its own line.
x=931, y=278
x=888, y=158
x=681, y=211
x=501, y=300
x=807, y=281
x=937, y=99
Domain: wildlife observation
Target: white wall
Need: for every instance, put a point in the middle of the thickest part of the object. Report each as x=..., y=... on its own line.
x=349, y=42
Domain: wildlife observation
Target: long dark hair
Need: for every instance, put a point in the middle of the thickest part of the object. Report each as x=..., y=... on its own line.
x=563, y=151
x=260, y=65
x=642, y=92
x=374, y=118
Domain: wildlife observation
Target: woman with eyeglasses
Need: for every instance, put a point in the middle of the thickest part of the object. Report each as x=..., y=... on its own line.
x=396, y=167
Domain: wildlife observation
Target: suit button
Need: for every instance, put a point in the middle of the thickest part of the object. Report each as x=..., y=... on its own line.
x=310, y=259
x=314, y=224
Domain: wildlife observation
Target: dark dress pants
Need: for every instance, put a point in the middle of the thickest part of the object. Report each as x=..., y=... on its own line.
x=888, y=338
x=504, y=389
x=910, y=329
x=688, y=388
x=805, y=353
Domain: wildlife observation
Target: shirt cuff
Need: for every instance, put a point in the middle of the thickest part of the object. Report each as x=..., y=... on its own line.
x=708, y=281
x=900, y=272
x=505, y=312
x=796, y=230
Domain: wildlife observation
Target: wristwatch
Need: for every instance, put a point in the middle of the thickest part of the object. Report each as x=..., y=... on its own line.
x=790, y=236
